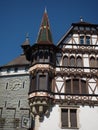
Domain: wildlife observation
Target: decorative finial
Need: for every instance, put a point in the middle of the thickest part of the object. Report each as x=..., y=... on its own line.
x=81, y=19
x=45, y=10
x=27, y=36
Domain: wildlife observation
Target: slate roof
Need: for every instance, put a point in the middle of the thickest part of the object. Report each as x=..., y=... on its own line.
x=19, y=61
x=45, y=35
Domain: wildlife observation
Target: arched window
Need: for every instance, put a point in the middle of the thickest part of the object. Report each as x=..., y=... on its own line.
x=79, y=61
x=92, y=62
x=76, y=86
x=65, y=61
x=72, y=61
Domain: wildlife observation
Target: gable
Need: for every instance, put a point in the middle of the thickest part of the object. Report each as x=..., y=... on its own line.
x=80, y=35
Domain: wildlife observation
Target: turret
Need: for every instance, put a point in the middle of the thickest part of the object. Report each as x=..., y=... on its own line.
x=42, y=56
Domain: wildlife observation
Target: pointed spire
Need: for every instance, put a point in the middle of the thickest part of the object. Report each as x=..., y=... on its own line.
x=26, y=42
x=44, y=35
x=45, y=10
x=27, y=36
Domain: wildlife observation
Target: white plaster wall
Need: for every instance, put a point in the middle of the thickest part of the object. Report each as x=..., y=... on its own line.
x=87, y=119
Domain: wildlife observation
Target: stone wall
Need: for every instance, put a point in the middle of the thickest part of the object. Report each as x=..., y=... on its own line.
x=14, y=107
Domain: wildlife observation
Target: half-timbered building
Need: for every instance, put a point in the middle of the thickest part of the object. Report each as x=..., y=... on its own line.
x=52, y=86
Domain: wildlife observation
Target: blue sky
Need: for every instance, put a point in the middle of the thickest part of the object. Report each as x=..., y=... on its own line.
x=18, y=17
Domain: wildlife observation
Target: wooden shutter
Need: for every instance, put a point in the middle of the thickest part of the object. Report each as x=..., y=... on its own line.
x=64, y=117
x=73, y=118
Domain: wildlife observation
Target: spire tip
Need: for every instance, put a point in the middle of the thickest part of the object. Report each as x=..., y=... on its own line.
x=45, y=10
x=27, y=36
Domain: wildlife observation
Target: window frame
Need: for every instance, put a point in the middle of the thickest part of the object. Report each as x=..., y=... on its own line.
x=69, y=119
x=65, y=61
x=92, y=61
x=84, y=39
x=72, y=61
x=81, y=40
x=79, y=61
x=70, y=88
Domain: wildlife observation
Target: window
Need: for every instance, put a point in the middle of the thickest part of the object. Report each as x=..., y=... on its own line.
x=68, y=118
x=79, y=62
x=81, y=28
x=72, y=61
x=15, y=69
x=65, y=61
x=41, y=56
x=87, y=40
x=33, y=84
x=36, y=56
x=8, y=70
x=7, y=85
x=51, y=57
x=42, y=82
x=26, y=68
x=16, y=122
x=68, y=86
x=92, y=62
x=76, y=86
x=46, y=55
x=81, y=39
